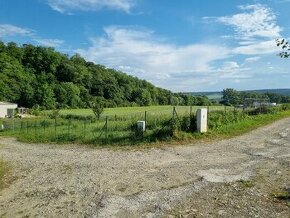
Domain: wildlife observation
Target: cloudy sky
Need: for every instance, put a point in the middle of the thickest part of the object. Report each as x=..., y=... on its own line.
x=180, y=45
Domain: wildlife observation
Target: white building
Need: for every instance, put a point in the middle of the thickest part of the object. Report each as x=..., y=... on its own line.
x=258, y=104
x=7, y=109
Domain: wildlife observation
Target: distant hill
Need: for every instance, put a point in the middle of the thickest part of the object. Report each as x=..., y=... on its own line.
x=218, y=95
x=276, y=91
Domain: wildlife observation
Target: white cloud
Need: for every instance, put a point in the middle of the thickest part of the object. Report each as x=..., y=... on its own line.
x=232, y=70
x=49, y=42
x=256, y=29
x=11, y=30
x=7, y=30
x=252, y=59
x=257, y=21
x=67, y=6
x=263, y=47
x=230, y=65
x=140, y=52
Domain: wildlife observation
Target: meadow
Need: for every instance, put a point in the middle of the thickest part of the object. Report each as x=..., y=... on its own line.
x=136, y=111
x=117, y=126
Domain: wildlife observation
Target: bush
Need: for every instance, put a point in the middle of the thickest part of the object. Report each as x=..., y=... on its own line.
x=285, y=107
x=188, y=124
x=217, y=119
x=35, y=110
x=78, y=117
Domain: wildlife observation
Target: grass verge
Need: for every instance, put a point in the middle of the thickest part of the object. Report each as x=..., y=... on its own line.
x=120, y=134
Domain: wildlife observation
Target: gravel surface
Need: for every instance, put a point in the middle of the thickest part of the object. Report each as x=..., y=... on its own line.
x=229, y=178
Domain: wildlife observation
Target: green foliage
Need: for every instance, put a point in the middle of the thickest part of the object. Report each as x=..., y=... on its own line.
x=35, y=110
x=90, y=118
x=97, y=107
x=285, y=107
x=35, y=75
x=233, y=97
x=285, y=48
x=218, y=119
x=54, y=114
x=122, y=130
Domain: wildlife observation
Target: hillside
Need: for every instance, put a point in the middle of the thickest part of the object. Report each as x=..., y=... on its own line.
x=218, y=95
x=40, y=76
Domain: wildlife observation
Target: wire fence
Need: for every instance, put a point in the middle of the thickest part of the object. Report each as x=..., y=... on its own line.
x=113, y=129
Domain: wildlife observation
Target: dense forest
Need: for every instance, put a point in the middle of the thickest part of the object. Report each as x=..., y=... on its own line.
x=40, y=76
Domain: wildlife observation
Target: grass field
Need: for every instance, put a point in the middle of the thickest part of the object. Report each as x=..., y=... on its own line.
x=118, y=126
x=128, y=111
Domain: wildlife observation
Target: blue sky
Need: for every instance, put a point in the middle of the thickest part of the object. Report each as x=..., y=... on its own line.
x=180, y=45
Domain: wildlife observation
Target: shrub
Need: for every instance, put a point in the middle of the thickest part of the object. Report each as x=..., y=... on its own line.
x=217, y=119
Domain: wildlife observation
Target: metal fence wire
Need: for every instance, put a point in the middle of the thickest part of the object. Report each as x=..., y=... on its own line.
x=111, y=129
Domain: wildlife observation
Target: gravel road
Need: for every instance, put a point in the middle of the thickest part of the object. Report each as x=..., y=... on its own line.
x=229, y=178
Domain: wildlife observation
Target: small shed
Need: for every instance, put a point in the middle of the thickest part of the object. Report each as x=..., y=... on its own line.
x=7, y=109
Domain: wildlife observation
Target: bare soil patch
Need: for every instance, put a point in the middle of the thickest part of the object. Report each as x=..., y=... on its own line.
x=230, y=178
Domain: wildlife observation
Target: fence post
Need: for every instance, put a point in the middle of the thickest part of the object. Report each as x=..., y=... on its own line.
x=145, y=120
x=35, y=123
x=190, y=111
x=106, y=128
x=44, y=122
x=55, y=128
x=207, y=115
x=85, y=127
x=68, y=128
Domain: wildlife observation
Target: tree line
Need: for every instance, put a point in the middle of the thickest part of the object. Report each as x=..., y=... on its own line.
x=40, y=76
x=233, y=97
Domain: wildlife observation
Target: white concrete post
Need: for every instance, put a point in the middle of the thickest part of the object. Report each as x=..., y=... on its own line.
x=141, y=126
x=201, y=120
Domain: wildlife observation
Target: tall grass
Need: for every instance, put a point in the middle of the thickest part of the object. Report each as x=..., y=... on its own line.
x=122, y=129
x=128, y=111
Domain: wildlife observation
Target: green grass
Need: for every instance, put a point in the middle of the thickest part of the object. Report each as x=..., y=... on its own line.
x=128, y=111
x=250, y=123
x=121, y=131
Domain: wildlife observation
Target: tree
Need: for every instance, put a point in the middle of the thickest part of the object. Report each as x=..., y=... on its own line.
x=231, y=96
x=45, y=96
x=35, y=75
x=285, y=47
x=97, y=106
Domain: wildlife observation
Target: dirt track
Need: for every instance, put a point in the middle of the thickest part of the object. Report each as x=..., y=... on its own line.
x=230, y=178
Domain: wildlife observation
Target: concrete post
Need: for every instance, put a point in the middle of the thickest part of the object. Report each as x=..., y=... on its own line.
x=141, y=125
x=201, y=120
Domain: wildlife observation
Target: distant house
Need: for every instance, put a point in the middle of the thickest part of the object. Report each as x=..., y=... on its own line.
x=7, y=109
x=258, y=104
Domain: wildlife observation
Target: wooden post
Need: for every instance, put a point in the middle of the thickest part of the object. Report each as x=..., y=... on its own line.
x=190, y=111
